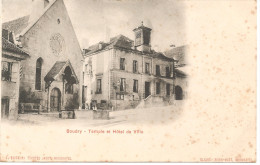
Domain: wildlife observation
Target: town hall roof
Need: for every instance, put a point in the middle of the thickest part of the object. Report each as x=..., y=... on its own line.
x=121, y=41
x=117, y=41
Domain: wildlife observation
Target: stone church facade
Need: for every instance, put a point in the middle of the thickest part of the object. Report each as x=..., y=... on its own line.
x=52, y=75
x=124, y=74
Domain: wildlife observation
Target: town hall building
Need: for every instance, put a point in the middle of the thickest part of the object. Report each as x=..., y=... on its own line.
x=124, y=74
x=51, y=75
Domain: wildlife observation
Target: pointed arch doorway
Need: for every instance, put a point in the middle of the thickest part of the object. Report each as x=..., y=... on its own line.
x=55, y=101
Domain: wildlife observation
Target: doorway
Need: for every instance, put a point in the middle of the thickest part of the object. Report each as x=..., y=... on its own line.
x=178, y=93
x=147, y=89
x=5, y=108
x=55, y=99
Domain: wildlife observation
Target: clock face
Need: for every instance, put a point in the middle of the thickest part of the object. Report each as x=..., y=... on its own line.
x=57, y=44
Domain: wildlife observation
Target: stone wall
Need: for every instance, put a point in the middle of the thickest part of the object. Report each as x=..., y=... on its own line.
x=10, y=89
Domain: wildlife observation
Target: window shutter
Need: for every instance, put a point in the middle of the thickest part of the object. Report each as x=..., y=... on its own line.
x=15, y=71
x=21, y=72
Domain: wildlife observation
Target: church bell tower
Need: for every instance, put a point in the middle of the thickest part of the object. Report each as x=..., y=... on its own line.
x=143, y=38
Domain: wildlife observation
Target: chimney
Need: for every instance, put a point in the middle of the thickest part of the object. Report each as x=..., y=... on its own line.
x=37, y=8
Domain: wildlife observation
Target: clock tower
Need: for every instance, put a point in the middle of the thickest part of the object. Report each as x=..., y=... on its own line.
x=143, y=38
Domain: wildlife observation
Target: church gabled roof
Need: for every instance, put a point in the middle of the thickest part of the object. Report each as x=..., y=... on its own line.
x=31, y=24
x=21, y=25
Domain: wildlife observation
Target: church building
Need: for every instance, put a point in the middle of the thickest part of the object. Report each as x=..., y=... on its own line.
x=52, y=74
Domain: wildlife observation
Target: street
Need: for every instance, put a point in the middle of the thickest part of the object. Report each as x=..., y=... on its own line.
x=85, y=117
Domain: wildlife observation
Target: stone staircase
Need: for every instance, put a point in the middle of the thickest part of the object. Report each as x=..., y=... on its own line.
x=155, y=101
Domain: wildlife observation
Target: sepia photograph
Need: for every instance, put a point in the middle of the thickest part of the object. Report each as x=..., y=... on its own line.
x=52, y=71
x=128, y=81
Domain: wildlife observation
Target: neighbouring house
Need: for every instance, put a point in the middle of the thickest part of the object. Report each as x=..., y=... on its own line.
x=12, y=56
x=179, y=54
x=122, y=73
x=52, y=76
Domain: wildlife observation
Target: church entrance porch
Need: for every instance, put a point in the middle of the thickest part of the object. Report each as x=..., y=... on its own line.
x=60, y=82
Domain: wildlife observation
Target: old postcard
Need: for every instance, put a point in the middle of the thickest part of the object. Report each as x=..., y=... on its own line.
x=128, y=81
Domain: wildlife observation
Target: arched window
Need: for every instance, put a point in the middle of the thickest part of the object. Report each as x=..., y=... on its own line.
x=38, y=76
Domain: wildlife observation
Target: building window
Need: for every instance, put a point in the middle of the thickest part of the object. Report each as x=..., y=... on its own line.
x=69, y=88
x=168, y=73
x=122, y=84
x=168, y=89
x=135, y=87
x=158, y=88
x=122, y=63
x=147, y=68
x=134, y=66
x=86, y=68
x=158, y=70
x=6, y=71
x=119, y=96
x=103, y=101
x=38, y=75
x=99, y=86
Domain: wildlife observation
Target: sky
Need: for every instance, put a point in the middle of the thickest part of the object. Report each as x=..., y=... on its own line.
x=92, y=19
